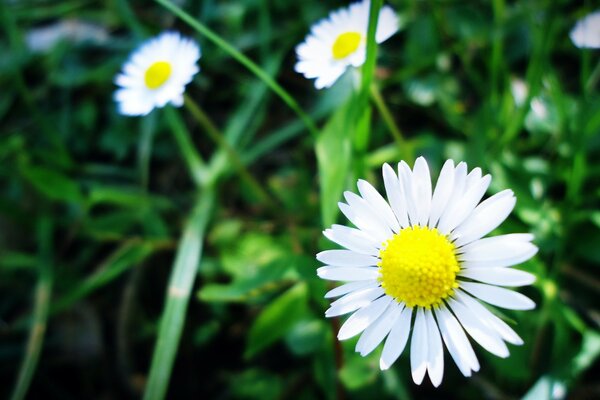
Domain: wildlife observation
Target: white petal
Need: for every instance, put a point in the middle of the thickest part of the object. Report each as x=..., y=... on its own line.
x=348, y=274
x=492, y=320
x=485, y=336
x=586, y=32
x=418, y=348
x=364, y=210
x=460, y=179
x=498, y=296
x=369, y=226
x=352, y=239
x=378, y=203
x=364, y=317
x=353, y=301
x=522, y=252
x=350, y=287
x=442, y=192
x=395, y=195
x=485, y=218
x=406, y=181
x=435, y=351
x=487, y=245
x=499, y=276
x=396, y=340
x=378, y=330
x=463, y=208
x=346, y=258
x=456, y=341
x=422, y=190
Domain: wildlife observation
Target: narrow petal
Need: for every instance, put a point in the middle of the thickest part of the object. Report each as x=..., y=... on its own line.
x=485, y=336
x=498, y=296
x=377, y=202
x=406, y=181
x=348, y=274
x=442, y=192
x=352, y=239
x=346, y=258
x=505, y=331
x=421, y=183
x=466, y=205
x=499, y=276
x=485, y=250
x=418, y=348
x=395, y=195
x=350, y=287
x=457, y=342
x=489, y=244
x=460, y=179
x=364, y=224
x=485, y=218
x=435, y=362
x=396, y=340
x=378, y=330
x=364, y=317
x=363, y=209
x=353, y=301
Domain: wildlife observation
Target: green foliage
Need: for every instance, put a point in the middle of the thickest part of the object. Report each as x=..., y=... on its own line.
x=98, y=210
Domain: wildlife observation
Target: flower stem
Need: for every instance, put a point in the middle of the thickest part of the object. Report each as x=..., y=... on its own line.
x=193, y=159
x=403, y=145
x=210, y=128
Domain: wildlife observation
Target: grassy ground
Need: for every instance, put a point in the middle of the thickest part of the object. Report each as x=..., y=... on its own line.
x=97, y=209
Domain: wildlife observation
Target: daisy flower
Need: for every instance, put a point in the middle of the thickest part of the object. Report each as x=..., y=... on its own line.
x=586, y=32
x=418, y=262
x=339, y=41
x=156, y=74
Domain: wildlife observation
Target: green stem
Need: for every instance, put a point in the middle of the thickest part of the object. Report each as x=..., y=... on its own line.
x=40, y=314
x=194, y=161
x=245, y=61
x=403, y=145
x=368, y=68
x=210, y=128
x=178, y=294
x=593, y=79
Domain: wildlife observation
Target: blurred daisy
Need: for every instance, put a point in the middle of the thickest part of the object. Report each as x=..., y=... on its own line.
x=339, y=41
x=586, y=32
x=156, y=74
x=418, y=262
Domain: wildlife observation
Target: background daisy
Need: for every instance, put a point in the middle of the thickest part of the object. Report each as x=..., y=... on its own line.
x=418, y=263
x=156, y=74
x=586, y=32
x=339, y=41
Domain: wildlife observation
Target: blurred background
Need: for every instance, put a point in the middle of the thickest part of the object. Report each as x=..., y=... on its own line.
x=92, y=204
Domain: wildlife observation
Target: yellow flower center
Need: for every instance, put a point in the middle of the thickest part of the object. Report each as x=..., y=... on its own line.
x=157, y=74
x=345, y=44
x=418, y=266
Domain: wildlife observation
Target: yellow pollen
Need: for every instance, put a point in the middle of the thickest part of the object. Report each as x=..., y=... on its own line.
x=418, y=266
x=345, y=44
x=157, y=74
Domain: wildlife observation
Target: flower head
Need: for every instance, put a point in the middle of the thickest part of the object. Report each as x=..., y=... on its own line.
x=156, y=74
x=586, y=32
x=418, y=262
x=339, y=41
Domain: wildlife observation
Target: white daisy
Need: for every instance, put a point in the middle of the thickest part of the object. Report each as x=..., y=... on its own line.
x=586, y=32
x=156, y=74
x=419, y=261
x=339, y=41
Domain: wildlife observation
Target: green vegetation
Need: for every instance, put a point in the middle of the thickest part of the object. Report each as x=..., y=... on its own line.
x=172, y=255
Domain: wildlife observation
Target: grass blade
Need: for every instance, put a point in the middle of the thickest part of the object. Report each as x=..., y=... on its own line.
x=178, y=295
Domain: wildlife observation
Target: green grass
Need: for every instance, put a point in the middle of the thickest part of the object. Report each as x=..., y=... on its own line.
x=172, y=256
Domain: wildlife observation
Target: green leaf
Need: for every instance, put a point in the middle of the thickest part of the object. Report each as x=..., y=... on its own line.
x=334, y=150
x=52, y=184
x=277, y=319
